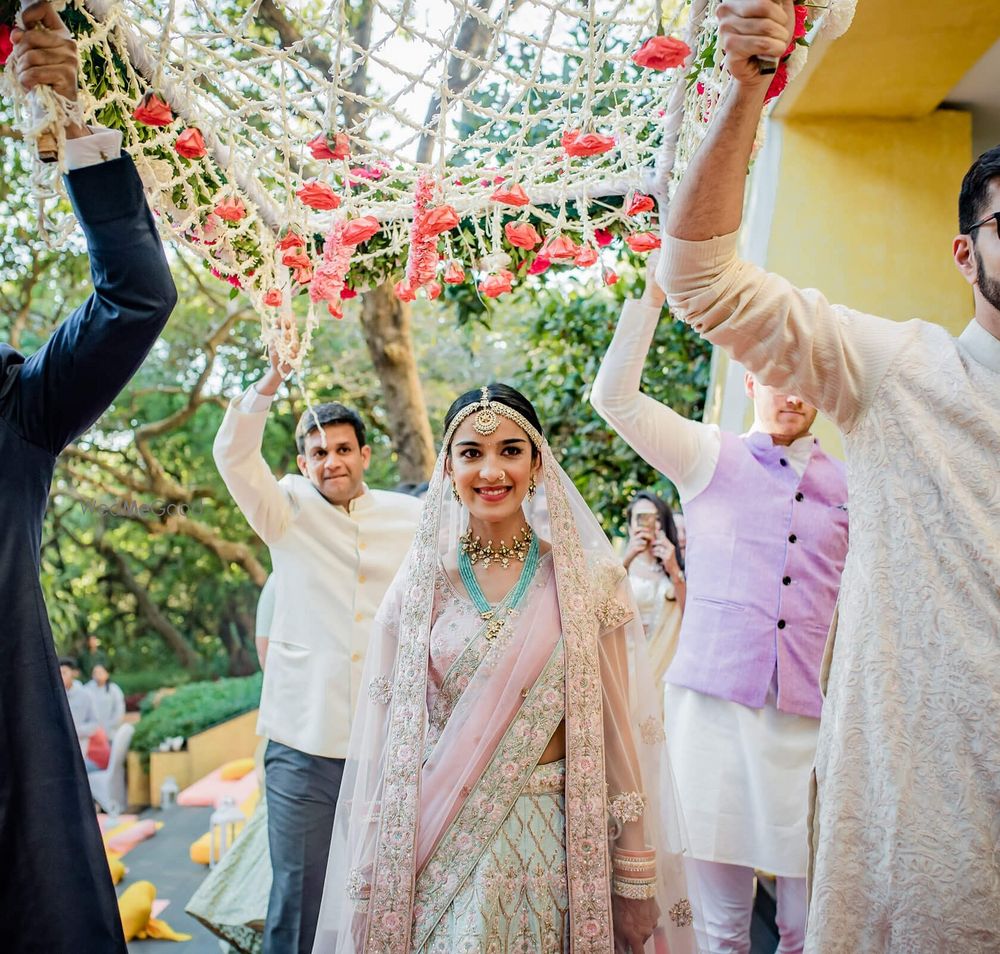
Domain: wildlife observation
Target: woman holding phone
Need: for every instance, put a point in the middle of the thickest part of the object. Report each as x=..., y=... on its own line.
x=656, y=572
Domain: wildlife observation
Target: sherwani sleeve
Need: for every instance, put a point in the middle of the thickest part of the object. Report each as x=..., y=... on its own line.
x=237, y=452
x=793, y=339
x=62, y=389
x=685, y=451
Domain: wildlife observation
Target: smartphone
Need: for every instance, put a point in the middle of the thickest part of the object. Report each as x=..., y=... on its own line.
x=646, y=520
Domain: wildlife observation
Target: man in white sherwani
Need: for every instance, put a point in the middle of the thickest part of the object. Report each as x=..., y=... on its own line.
x=335, y=546
x=906, y=824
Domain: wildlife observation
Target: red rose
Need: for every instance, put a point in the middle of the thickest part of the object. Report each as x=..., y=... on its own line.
x=442, y=219
x=778, y=82
x=6, y=47
x=231, y=210
x=324, y=147
x=586, y=144
x=296, y=260
x=539, y=264
x=661, y=53
x=610, y=277
x=560, y=248
x=454, y=274
x=514, y=195
x=434, y=290
x=291, y=240
x=273, y=298
x=335, y=310
x=346, y=293
x=318, y=195
x=640, y=203
x=603, y=237
x=642, y=241
x=360, y=230
x=190, y=144
x=522, y=235
x=586, y=256
x=153, y=111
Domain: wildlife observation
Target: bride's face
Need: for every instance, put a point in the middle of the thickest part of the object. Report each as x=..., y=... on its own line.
x=492, y=474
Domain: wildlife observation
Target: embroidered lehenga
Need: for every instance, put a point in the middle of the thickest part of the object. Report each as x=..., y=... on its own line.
x=449, y=835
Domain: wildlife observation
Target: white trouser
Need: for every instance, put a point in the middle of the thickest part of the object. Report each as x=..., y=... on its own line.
x=723, y=905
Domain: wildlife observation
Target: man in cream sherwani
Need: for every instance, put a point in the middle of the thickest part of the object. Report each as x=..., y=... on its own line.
x=905, y=829
x=335, y=546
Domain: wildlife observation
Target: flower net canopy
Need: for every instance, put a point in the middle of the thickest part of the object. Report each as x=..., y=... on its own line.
x=330, y=146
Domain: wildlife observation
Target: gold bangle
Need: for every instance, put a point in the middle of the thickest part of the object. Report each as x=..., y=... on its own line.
x=634, y=890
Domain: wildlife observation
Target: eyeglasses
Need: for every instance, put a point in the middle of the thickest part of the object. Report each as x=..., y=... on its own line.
x=994, y=217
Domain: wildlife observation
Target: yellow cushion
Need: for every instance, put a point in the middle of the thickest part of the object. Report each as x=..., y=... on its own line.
x=235, y=770
x=116, y=866
x=136, y=908
x=199, y=848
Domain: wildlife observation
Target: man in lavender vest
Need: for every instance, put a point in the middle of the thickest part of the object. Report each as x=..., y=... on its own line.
x=767, y=537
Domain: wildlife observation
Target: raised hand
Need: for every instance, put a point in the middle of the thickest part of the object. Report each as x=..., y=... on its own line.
x=45, y=53
x=752, y=29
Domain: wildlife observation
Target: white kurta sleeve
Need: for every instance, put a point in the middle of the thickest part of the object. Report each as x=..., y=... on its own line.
x=237, y=452
x=791, y=338
x=685, y=451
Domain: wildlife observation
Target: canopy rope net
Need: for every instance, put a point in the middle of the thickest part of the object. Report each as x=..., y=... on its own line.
x=323, y=148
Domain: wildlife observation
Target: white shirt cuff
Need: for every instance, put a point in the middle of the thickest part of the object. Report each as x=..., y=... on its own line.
x=100, y=146
x=251, y=401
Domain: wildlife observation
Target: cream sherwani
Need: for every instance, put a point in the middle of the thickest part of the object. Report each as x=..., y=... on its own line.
x=906, y=822
x=331, y=569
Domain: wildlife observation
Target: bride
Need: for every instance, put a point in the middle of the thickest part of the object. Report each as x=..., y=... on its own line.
x=506, y=787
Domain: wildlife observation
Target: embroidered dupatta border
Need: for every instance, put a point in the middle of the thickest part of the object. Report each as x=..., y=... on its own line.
x=491, y=799
x=587, y=854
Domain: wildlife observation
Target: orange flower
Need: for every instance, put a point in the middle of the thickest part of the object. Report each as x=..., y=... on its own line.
x=522, y=235
x=454, y=274
x=586, y=144
x=586, y=256
x=560, y=249
x=493, y=286
x=642, y=241
x=318, y=195
x=360, y=230
x=232, y=210
x=324, y=147
x=296, y=260
x=273, y=298
x=190, y=144
x=442, y=219
x=661, y=53
x=433, y=290
x=153, y=111
x=291, y=240
x=640, y=203
x=513, y=195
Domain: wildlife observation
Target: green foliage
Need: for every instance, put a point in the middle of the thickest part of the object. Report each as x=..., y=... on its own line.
x=149, y=680
x=194, y=708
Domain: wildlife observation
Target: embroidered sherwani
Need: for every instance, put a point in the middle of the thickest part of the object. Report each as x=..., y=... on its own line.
x=906, y=827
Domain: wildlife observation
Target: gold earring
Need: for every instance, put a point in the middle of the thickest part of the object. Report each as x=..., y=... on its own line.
x=532, y=487
x=454, y=489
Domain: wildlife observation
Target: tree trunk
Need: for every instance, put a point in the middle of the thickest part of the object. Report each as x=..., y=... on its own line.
x=385, y=321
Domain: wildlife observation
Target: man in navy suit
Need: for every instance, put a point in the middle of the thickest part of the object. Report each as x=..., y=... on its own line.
x=56, y=894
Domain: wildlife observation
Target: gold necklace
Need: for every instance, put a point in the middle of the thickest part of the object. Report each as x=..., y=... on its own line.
x=488, y=552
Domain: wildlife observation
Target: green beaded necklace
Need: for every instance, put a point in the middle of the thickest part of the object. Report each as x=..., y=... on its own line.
x=495, y=621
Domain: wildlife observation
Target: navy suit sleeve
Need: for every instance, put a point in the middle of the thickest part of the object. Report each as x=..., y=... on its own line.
x=63, y=388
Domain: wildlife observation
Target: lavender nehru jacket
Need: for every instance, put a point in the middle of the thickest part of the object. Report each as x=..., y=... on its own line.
x=765, y=552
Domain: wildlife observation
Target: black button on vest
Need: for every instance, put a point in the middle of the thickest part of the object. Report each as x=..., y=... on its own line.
x=800, y=496
x=783, y=462
x=786, y=580
x=792, y=538
x=781, y=624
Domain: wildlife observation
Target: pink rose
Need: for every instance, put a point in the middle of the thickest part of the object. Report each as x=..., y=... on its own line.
x=291, y=240
x=433, y=290
x=454, y=274
x=661, y=53
x=586, y=256
x=539, y=264
x=610, y=277
x=640, y=203
x=325, y=147
x=586, y=144
x=522, y=235
x=318, y=195
x=360, y=230
x=560, y=248
x=273, y=298
x=512, y=195
x=231, y=210
x=190, y=144
x=403, y=291
x=493, y=286
x=296, y=260
x=642, y=242
x=442, y=219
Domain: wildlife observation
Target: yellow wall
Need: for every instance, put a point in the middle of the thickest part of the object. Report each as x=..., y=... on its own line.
x=866, y=211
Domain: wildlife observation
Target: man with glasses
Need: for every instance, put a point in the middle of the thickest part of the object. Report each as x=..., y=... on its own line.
x=905, y=836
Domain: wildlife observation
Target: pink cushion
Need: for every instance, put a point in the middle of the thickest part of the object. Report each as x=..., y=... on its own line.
x=126, y=840
x=207, y=791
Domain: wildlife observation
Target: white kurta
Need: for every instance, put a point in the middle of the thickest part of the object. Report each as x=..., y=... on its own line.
x=906, y=828
x=742, y=774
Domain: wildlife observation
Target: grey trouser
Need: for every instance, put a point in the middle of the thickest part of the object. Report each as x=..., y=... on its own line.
x=302, y=795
